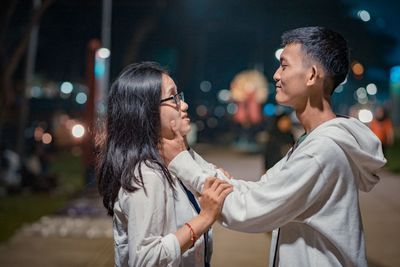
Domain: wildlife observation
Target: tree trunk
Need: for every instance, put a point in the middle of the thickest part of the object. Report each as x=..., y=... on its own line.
x=8, y=90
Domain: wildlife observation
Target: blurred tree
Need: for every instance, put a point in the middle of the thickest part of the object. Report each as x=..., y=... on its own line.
x=11, y=56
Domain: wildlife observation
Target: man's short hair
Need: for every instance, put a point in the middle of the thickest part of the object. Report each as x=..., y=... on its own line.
x=325, y=46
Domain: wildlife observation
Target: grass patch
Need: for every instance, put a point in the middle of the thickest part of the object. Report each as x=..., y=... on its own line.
x=19, y=209
x=69, y=170
x=393, y=157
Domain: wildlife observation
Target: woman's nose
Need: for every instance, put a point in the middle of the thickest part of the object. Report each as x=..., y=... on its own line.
x=184, y=105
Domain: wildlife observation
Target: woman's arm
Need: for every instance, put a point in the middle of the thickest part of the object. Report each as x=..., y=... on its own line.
x=147, y=217
x=211, y=200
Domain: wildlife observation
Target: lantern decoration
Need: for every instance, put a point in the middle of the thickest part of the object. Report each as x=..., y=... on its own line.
x=249, y=90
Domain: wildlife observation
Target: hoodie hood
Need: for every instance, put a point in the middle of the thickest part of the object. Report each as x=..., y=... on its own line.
x=360, y=144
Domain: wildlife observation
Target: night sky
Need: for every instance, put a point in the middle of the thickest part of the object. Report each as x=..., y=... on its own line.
x=229, y=35
x=206, y=40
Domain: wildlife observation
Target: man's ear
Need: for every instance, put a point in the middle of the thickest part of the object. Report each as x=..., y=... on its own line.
x=313, y=75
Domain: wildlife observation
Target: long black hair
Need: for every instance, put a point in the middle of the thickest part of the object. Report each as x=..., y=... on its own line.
x=132, y=132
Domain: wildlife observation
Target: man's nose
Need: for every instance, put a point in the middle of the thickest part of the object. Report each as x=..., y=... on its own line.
x=277, y=75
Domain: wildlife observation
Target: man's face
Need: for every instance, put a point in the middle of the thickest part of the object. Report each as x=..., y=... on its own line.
x=291, y=78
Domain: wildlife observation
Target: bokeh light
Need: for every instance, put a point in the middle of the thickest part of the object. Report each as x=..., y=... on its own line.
x=78, y=131
x=372, y=89
x=365, y=115
x=212, y=122
x=205, y=86
x=231, y=108
x=269, y=109
x=224, y=95
x=200, y=126
x=66, y=87
x=361, y=92
x=47, y=138
x=219, y=111
x=103, y=53
x=357, y=68
x=278, y=53
x=38, y=133
x=339, y=89
x=364, y=15
x=36, y=92
x=201, y=110
x=81, y=98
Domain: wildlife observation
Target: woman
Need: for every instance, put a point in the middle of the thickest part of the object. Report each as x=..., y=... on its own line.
x=155, y=221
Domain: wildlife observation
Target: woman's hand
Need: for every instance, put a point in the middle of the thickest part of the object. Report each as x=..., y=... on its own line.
x=212, y=198
x=211, y=201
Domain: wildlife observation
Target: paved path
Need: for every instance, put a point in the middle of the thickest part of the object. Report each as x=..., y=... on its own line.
x=80, y=235
x=75, y=239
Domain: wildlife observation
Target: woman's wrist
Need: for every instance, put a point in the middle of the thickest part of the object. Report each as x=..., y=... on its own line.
x=193, y=235
x=189, y=233
x=206, y=219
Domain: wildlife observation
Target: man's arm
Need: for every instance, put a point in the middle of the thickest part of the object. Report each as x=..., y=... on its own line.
x=207, y=166
x=281, y=195
x=264, y=205
x=190, y=173
x=193, y=173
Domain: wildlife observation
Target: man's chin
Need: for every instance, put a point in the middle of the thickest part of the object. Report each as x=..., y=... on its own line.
x=281, y=101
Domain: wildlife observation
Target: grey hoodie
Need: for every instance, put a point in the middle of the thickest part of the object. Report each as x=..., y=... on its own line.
x=309, y=198
x=361, y=146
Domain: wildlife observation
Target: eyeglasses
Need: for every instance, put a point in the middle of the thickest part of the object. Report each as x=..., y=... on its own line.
x=177, y=98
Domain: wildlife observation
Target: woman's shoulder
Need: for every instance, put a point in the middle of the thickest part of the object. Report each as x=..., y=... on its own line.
x=149, y=169
x=153, y=187
x=150, y=173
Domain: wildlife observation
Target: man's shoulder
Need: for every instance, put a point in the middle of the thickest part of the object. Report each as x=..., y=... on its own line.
x=320, y=142
x=321, y=147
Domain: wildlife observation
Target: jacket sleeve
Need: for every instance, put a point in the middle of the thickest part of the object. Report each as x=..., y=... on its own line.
x=205, y=165
x=147, y=216
x=210, y=169
x=269, y=203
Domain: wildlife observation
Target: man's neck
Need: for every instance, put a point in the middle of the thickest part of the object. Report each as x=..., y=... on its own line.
x=312, y=116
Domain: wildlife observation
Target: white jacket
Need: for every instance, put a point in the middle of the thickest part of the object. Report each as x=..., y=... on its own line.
x=145, y=222
x=310, y=198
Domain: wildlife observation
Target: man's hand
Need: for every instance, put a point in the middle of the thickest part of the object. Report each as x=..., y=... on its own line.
x=226, y=173
x=170, y=148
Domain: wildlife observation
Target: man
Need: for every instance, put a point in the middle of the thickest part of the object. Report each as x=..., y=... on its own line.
x=310, y=197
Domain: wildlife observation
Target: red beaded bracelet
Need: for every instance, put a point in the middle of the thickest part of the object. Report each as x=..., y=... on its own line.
x=193, y=236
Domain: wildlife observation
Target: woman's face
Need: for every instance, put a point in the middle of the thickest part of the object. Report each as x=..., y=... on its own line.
x=169, y=110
